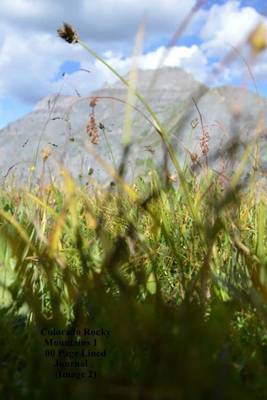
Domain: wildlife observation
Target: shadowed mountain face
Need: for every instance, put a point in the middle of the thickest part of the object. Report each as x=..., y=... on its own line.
x=68, y=130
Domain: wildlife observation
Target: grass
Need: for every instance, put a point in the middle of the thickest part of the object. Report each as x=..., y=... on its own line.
x=176, y=273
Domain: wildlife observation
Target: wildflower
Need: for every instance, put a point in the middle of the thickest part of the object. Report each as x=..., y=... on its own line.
x=68, y=33
x=135, y=188
x=32, y=168
x=258, y=38
x=194, y=158
x=45, y=153
x=173, y=178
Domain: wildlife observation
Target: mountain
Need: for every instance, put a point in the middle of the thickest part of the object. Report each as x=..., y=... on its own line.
x=59, y=125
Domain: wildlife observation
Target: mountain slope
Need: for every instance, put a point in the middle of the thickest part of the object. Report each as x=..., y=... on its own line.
x=58, y=123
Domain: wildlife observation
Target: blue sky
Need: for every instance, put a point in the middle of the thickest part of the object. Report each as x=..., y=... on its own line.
x=33, y=59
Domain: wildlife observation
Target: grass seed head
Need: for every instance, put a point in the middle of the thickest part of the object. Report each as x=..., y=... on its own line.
x=68, y=33
x=92, y=129
x=204, y=143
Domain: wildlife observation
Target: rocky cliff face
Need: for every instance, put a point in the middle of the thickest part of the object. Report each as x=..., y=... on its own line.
x=60, y=126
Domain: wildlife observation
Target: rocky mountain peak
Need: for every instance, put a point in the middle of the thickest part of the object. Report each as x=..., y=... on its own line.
x=60, y=123
x=166, y=78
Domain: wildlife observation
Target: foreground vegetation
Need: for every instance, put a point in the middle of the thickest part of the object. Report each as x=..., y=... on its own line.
x=184, y=298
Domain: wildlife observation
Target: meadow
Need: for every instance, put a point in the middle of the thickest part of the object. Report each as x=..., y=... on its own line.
x=176, y=271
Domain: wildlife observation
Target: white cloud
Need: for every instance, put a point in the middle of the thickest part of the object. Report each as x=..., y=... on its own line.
x=101, y=20
x=32, y=54
x=190, y=59
x=224, y=28
x=22, y=8
x=225, y=25
x=28, y=63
